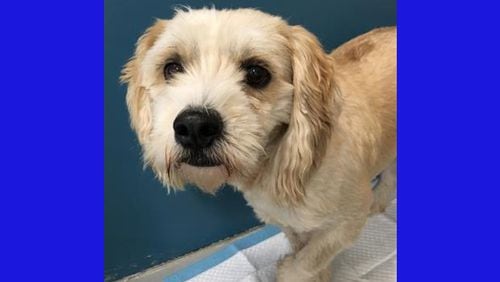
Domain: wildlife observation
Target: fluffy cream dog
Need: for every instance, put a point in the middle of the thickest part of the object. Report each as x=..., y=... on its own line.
x=241, y=97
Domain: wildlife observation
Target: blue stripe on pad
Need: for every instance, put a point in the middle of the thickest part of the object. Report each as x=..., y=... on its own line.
x=223, y=254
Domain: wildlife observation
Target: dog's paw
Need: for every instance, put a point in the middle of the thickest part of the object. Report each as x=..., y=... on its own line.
x=324, y=276
x=289, y=270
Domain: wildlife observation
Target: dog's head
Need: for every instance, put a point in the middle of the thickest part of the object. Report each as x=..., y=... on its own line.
x=221, y=96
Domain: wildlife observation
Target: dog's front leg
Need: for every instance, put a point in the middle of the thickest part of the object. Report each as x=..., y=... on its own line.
x=295, y=241
x=312, y=262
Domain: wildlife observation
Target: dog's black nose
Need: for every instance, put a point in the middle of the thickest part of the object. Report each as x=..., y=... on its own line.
x=197, y=128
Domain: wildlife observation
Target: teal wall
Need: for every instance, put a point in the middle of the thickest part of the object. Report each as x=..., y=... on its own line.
x=144, y=225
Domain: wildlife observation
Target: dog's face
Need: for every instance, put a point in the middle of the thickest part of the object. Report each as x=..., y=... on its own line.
x=212, y=95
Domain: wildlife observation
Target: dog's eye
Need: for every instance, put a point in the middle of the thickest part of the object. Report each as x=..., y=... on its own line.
x=171, y=69
x=257, y=76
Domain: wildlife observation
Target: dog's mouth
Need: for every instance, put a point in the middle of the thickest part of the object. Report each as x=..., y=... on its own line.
x=203, y=169
x=207, y=178
x=200, y=158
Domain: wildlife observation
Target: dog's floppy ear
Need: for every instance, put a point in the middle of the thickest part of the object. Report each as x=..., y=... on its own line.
x=137, y=97
x=305, y=140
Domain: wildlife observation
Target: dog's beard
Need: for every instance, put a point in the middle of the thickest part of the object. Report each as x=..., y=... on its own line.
x=227, y=161
x=209, y=179
x=206, y=168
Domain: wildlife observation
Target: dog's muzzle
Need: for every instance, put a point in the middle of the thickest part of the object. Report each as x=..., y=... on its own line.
x=196, y=130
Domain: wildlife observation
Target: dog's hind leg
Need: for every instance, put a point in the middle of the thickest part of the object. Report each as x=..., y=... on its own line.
x=385, y=191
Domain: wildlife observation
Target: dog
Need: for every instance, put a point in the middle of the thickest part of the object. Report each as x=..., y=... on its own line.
x=241, y=97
